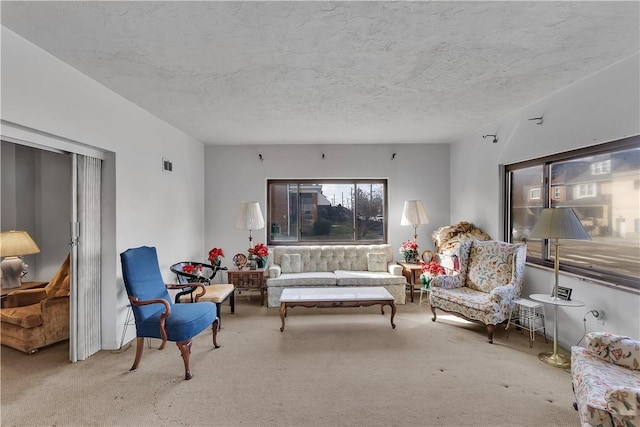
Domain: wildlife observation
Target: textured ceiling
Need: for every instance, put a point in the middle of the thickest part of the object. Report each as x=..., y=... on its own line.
x=331, y=72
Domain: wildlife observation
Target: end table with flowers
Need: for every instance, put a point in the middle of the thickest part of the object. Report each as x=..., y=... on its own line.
x=260, y=253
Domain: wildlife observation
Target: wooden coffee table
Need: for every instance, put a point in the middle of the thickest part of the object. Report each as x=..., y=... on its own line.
x=336, y=297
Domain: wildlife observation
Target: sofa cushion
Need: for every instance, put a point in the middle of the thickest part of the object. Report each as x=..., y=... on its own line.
x=377, y=261
x=291, y=263
x=28, y=316
x=490, y=265
x=367, y=278
x=303, y=279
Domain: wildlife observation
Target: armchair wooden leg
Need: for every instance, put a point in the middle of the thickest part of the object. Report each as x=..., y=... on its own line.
x=139, y=348
x=214, y=327
x=490, y=330
x=185, y=350
x=433, y=310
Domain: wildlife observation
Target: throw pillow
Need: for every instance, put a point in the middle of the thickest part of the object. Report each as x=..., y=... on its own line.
x=291, y=263
x=377, y=261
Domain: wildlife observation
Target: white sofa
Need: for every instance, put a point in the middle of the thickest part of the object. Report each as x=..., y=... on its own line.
x=334, y=265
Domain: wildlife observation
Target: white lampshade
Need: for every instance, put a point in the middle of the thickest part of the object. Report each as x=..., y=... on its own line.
x=559, y=223
x=249, y=216
x=414, y=213
x=14, y=244
x=17, y=243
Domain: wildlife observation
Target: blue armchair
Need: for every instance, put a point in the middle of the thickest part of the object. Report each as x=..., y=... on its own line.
x=156, y=316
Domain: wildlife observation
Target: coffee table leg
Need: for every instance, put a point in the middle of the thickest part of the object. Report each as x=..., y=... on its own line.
x=393, y=313
x=283, y=310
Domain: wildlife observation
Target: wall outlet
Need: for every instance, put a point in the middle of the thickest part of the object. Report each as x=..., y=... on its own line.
x=598, y=314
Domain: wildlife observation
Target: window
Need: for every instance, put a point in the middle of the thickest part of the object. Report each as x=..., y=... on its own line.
x=534, y=193
x=326, y=211
x=586, y=190
x=599, y=183
x=599, y=168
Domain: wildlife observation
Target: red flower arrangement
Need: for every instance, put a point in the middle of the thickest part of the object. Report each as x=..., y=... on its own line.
x=432, y=268
x=215, y=255
x=429, y=271
x=409, y=250
x=192, y=269
x=259, y=250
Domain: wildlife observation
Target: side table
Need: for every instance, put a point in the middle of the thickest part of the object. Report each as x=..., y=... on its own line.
x=412, y=273
x=529, y=319
x=555, y=359
x=248, y=279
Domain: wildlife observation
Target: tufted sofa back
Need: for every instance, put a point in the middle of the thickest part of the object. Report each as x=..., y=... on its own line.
x=333, y=257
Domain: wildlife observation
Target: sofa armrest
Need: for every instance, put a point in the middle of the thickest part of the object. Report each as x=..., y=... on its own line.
x=623, y=401
x=55, y=318
x=395, y=269
x=25, y=297
x=619, y=350
x=275, y=271
x=500, y=293
x=448, y=282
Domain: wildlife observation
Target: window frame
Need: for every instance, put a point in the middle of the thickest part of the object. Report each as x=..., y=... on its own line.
x=344, y=181
x=546, y=197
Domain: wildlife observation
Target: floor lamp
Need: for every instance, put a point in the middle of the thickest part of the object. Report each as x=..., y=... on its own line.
x=557, y=223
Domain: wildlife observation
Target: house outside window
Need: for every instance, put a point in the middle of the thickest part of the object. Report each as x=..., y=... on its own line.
x=326, y=211
x=599, y=184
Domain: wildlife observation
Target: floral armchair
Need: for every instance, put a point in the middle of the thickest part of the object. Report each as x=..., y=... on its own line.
x=490, y=278
x=606, y=380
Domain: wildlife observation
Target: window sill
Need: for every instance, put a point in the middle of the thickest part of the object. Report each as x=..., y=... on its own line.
x=587, y=279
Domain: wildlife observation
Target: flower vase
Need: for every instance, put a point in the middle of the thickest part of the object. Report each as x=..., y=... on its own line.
x=411, y=257
x=426, y=281
x=262, y=262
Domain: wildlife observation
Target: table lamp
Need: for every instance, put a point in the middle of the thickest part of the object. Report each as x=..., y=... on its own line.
x=13, y=245
x=414, y=214
x=557, y=223
x=249, y=218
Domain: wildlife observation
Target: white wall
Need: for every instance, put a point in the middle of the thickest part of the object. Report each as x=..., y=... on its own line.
x=40, y=92
x=235, y=174
x=600, y=108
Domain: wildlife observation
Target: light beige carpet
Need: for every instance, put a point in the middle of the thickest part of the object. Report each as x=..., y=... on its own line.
x=330, y=367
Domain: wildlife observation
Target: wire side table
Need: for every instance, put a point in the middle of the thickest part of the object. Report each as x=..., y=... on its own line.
x=529, y=318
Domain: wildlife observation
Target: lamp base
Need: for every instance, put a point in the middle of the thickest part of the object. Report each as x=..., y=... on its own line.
x=555, y=359
x=11, y=271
